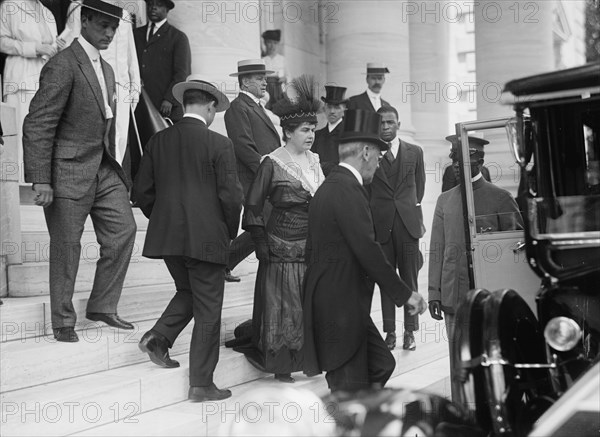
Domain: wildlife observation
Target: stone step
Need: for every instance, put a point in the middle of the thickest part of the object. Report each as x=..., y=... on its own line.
x=24, y=318
x=96, y=402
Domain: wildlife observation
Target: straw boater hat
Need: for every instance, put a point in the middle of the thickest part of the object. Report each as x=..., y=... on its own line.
x=376, y=68
x=303, y=107
x=250, y=66
x=475, y=144
x=103, y=7
x=334, y=95
x=360, y=125
x=194, y=82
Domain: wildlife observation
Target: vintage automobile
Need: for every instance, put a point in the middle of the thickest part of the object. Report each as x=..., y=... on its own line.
x=528, y=332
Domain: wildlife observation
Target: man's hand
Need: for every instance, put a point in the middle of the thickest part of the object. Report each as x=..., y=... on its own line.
x=44, y=194
x=416, y=304
x=435, y=309
x=45, y=50
x=165, y=108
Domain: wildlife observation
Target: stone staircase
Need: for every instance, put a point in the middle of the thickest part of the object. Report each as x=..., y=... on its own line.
x=103, y=385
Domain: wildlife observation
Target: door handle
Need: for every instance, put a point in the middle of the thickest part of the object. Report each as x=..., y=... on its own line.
x=520, y=246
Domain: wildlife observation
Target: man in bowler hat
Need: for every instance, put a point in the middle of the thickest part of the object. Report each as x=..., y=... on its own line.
x=371, y=99
x=188, y=187
x=325, y=144
x=343, y=260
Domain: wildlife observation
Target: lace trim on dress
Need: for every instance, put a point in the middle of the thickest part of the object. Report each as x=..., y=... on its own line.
x=295, y=171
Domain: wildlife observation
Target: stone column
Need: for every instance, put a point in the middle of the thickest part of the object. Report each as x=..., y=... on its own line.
x=10, y=213
x=365, y=31
x=512, y=40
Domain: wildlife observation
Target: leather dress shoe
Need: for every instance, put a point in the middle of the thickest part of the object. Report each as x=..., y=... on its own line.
x=155, y=345
x=409, y=343
x=110, y=319
x=208, y=393
x=66, y=334
x=229, y=277
x=284, y=377
x=390, y=340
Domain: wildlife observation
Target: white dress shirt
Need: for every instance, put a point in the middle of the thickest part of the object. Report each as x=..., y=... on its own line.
x=94, y=55
x=375, y=99
x=156, y=27
x=331, y=127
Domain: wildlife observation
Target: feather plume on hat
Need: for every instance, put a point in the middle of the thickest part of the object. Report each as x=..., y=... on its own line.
x=303, y=105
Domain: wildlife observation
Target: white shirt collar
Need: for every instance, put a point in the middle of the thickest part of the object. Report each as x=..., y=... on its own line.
x=372, y=95
x=331, y=127
x=92, y=52
x=157, y=25
x=354, y=172
x=252, y=96
x=476, y=178
x=196, y=116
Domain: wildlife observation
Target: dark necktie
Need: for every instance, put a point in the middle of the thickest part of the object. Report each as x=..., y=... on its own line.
x=389, y=155
x=151, y=33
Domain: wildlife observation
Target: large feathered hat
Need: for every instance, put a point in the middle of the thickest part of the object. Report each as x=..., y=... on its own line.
x=300, y=102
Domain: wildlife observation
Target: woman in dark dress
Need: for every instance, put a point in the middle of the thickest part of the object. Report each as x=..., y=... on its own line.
x=287, y=179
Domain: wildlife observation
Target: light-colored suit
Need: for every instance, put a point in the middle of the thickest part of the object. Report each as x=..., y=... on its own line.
x=69, y=143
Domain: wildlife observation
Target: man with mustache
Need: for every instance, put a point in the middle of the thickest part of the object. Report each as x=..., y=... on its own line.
x=69, y=151
x=371, y=99
x=164, y=56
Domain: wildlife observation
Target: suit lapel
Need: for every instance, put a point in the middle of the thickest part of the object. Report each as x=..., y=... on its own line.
x=405, y=160
x=260, y=112
x=368, y=101
x=85, y=64
x=162, y=30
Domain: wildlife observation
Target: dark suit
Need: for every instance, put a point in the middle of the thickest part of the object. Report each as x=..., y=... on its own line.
x=165, y=60
x=395, y=198
x=254, y=136
x=362, y=101
x=188, y=187
x=69, y=143
x=343, y=259
x=326, y=146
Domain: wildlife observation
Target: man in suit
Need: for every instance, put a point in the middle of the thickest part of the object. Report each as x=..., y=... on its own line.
x=325, y=144
x=69, y=151
x=450, y=178
x=164, y=56
x=188, y=187
x=371, y=99
x=253, y=135
x=343, y=259
x=395, y=198
x=495, y=210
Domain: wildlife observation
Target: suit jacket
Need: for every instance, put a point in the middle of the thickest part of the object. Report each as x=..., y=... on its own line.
x=362, y=101
x=495, y=210
x=253, y=135
x=343, y=261
x=66, y=134
x=404, y=197
x=165, y=60
x=187, y=186
x=326, y=146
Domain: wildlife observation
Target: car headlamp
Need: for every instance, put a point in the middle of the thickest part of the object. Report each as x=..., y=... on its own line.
x=562, y=333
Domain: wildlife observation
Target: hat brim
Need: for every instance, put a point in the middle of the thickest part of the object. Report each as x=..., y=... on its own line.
x=334, y=102
x=79, y=3
x=251, y=72
x=169, y=3
x=180, y=89
x=474, y=140
x=383, y=145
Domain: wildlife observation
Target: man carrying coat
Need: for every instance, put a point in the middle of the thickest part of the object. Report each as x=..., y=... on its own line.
x=188, y=187
x=343, y=260
x=395, y=198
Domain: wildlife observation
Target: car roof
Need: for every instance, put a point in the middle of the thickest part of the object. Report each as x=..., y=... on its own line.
x=585, y=76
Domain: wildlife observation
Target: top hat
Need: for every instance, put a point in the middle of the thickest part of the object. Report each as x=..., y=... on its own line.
x=194, y=82
x=334, y=95
x=103, y=7
x=376, y=68
x=475, y=144
x=360, y=125
x=250, y=66
x=273, y=35
x=169, y=3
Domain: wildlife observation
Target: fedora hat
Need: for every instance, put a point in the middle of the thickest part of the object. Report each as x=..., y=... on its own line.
x=376, y=68
x=169, y=3
x=334, y=95
x=250, y=66
x=360, y=125
x=194, y=82
x=102, y=7
x=475, y=143
x=273, y=35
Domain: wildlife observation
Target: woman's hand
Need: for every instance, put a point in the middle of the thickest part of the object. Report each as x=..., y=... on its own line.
x=61, y=43
x=47, y=50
